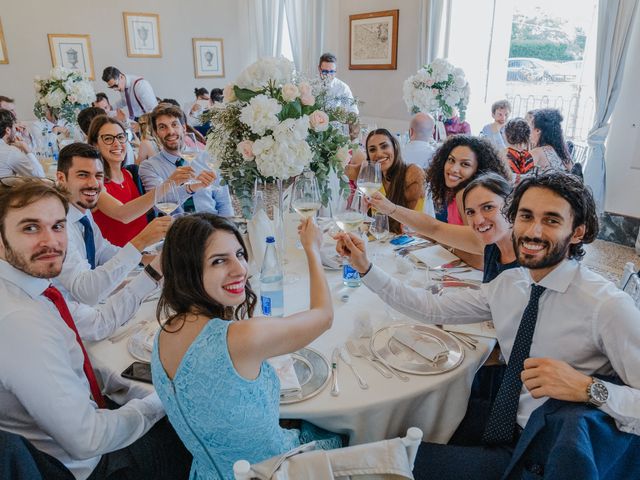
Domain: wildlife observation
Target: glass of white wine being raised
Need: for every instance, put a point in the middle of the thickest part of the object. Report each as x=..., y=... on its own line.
x=189, y=152
x=349, y=214
x=369, y=178
x=305, y=197
x=167, y=197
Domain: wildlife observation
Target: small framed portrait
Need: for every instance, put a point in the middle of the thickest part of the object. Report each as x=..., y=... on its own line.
x=208, y=57
x=373, y=40
x=142, y=34
x=71, y=51
x=4, y=57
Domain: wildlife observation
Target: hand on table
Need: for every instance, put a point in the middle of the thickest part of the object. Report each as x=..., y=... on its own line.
x=352, y=246
x=547, y=377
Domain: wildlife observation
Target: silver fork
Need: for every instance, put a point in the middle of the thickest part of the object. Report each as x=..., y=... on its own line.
x=353, y=350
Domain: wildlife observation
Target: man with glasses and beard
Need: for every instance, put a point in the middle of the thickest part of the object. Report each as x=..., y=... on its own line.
x=49, y=392
x=560, y=327
x=94, y=267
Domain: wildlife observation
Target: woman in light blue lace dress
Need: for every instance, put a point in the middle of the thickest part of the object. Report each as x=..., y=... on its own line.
x=208, y=363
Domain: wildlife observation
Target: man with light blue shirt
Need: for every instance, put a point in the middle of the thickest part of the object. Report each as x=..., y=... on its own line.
x=167, y=122
x=16, y=157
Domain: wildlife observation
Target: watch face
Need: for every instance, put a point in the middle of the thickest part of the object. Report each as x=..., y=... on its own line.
x=599, y=392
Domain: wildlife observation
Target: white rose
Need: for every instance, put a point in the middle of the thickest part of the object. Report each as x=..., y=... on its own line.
x=343, y=155
x=290, y=92
x=228, y=94
x=260, y=114
x=305, y=88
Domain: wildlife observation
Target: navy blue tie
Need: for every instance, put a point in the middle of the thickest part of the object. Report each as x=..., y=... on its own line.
x=89, y=243
x=188, y=206
x=502, y=420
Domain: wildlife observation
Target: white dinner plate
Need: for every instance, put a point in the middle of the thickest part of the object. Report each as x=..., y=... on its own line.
x=403, y=358
x=312, y=370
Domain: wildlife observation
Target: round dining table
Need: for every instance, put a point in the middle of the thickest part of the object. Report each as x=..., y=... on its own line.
x=434, y=403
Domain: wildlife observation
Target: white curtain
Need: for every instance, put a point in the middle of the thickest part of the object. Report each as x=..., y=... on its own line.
x=306, y=28
x=265, y=26
x=430, y=23
x=614, y=22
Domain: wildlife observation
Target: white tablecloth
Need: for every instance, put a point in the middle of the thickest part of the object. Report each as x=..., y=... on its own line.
x=434, y=403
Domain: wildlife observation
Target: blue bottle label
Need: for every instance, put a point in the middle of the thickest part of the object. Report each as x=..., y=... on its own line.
x=266, y=305
x=349, y=273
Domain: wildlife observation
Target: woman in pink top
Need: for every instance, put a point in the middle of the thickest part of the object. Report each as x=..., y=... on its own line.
x=455, y=164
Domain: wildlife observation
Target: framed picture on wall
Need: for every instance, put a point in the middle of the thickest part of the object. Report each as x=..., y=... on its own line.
x=71, y=51
x=142, y=34
x=208, y=57
x=4, y=58
x=373, y=40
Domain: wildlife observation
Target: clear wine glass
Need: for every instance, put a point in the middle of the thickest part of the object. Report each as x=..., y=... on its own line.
x=370, y=178
x=189, y=151
x=379, y=229
x=305, y=198
x=167, y=197
x=348, y=213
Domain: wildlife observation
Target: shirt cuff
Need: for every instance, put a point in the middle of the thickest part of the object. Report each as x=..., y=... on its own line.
x=130, y=254
x=375, y=279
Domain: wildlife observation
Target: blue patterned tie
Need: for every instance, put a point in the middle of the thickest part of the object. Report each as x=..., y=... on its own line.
x=502, y=420
x=89, y=243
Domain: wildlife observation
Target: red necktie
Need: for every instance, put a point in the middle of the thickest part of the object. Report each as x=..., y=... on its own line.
x=53, y=294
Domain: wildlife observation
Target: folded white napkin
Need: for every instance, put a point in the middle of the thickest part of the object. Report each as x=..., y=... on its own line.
x=419, y=344
x=434, y=255
x=258, y=229
x=283, y=365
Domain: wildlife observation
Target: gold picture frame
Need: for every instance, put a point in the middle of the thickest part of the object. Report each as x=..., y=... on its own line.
x=72, y=51
x=208, y=57
x=373, y=40
x=142, y=34
x=4, y=56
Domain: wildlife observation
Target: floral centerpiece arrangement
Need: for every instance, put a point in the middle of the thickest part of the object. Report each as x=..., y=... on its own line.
x=63, y=93
x=437, y=88
x=271, y=127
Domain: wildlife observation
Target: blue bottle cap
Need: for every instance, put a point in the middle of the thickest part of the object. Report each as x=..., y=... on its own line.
x=271, y=239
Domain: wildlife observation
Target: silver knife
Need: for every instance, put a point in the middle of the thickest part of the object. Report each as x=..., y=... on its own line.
x=347, y=359
x=335, y=390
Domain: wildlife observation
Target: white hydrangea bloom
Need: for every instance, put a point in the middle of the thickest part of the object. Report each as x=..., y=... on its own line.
x=260, y=114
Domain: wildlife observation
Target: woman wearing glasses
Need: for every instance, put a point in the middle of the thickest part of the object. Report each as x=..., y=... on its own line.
x=122, y=205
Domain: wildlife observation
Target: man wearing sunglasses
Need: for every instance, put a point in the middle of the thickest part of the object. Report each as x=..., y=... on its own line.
x=338, y=93
x=136, y=93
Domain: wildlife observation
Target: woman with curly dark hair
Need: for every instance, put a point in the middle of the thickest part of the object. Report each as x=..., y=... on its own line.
x=459, y=160
x=549, y=148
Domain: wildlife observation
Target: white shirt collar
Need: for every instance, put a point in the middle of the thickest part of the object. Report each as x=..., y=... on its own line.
x=559, y=278
x=33, y=286
x=75, y=214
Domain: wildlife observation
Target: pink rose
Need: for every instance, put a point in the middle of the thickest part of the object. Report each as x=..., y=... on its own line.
x=229, y=95
x=319, y=121
x=245, y=148
x=307, y=99
x=290, y=92
x=305, y=88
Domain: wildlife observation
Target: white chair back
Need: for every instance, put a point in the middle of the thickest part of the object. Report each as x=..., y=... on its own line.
x=377, y=459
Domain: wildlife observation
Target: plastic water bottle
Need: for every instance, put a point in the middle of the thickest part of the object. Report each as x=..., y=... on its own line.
x=52, y=149
x=350, y=276
x=271, y=292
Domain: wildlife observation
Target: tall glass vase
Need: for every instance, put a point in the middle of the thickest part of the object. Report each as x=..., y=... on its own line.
x=279, y=222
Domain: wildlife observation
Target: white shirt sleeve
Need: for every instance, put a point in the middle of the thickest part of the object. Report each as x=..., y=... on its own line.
x=452, y=307
x=143, y=92
x=17, y=162
x=57, y=398
x=619, y=343
x=92, y=286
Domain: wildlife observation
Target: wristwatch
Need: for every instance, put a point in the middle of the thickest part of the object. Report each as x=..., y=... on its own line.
x=153, y=273
x=597, y=392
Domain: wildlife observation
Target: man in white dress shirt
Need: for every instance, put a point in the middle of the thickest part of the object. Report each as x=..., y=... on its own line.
x=421, y=148
x=136, y=93
x=338, y=93
x=94, y=267
x=16, y=157
x=48, y=386
x=582, y=327
x=8, y=103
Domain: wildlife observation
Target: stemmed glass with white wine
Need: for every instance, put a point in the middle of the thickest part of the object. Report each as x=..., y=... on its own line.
x=379, y=229
x=370, y=178
x=189, y=151
x=167, y=197
x=305, y=198
x=348, y=214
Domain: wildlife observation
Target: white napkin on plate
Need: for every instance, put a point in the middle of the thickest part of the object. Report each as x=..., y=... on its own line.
x=283, y=365
x=434, y=255
x=419, y=344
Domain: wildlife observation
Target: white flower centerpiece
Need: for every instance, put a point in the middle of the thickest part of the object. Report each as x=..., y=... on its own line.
x=63, y=93
x=437, y=88
x=272, y=128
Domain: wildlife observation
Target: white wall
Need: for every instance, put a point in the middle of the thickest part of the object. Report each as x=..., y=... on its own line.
x=623, y=145
x=27, y=22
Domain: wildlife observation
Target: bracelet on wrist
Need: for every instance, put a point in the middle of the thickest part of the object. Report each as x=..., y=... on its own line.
x=395, y=207
x=187, y=187
x=367, y=270
x=153, y=273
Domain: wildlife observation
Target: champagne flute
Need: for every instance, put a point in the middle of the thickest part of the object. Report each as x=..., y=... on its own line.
x=370, y=178
x=189, y=151
x=167, y=198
